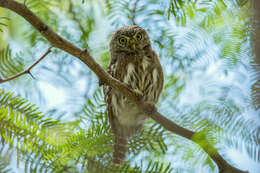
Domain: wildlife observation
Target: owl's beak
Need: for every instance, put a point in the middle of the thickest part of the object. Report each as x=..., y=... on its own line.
x=132, y=43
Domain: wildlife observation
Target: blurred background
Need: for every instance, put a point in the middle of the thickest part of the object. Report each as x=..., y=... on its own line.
x=207, y=50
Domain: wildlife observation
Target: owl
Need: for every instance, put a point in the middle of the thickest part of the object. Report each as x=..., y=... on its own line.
x=134, y=63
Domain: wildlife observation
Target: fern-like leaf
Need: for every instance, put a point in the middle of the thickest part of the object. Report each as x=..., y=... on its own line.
x=8, y=64
x=2, y=22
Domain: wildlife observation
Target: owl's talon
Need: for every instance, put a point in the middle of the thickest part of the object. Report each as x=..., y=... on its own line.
x=150, y=108
x=126, y=99
x=101, y=82
x=137, y=93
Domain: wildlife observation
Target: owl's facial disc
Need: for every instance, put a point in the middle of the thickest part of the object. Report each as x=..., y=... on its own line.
x=130, y=40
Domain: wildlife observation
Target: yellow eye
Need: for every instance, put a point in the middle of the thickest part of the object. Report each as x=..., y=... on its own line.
x=122, y=40
x=139, y=36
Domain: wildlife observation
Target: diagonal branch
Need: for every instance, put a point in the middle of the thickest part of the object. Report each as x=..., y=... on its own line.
x=85, y=57
x=28, y=70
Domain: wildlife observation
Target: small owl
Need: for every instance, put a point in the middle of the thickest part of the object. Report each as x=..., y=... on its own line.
x=134, y=63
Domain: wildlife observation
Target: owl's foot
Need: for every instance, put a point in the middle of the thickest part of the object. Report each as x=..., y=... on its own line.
x=149, y=107
x=100, y=82
x=126, y=100
x=138, y=94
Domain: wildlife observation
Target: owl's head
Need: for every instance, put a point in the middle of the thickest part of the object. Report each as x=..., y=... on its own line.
x=129, y=39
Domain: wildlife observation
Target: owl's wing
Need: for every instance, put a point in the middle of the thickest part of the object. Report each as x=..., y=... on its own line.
x=120, y=145
x=160, y=73
x=151, y=53
x=108, y=97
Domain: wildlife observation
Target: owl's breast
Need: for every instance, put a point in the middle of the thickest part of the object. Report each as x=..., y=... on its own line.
x=141, y=76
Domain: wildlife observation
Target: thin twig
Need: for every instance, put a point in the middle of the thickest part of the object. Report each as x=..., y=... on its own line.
x=74, y=16
x=134, y=12
x=85, y=57
x=28, y=70
x=84, y=34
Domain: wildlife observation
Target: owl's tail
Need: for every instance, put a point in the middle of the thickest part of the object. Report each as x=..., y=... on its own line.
x=120, y=149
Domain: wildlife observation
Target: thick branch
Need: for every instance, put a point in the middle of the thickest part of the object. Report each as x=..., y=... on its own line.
x=28, y=70
x=86, y=58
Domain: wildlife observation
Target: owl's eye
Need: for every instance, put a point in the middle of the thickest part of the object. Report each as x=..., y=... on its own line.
x=122, y=40
x=139, y=36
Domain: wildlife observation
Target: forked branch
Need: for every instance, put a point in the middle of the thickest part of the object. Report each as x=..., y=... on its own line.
x=85, y=57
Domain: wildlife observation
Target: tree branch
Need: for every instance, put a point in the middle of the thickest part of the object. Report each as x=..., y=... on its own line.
x=134, y=12
x=85, y=57
x=28, y=70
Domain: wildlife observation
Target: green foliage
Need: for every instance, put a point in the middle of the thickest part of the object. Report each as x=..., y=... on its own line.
x=2, y=24
x=51, y=145
x=183, y=10
x=256, y=86
x=191, y=38
x=150, y=138
x=22, y=126
x=50, y=142
x=8, y=66
x=152, y=167
x=5, y=160
x=119, y=10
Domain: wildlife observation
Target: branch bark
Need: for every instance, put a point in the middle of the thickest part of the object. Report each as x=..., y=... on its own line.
x=58, y=42
x=28, y=70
